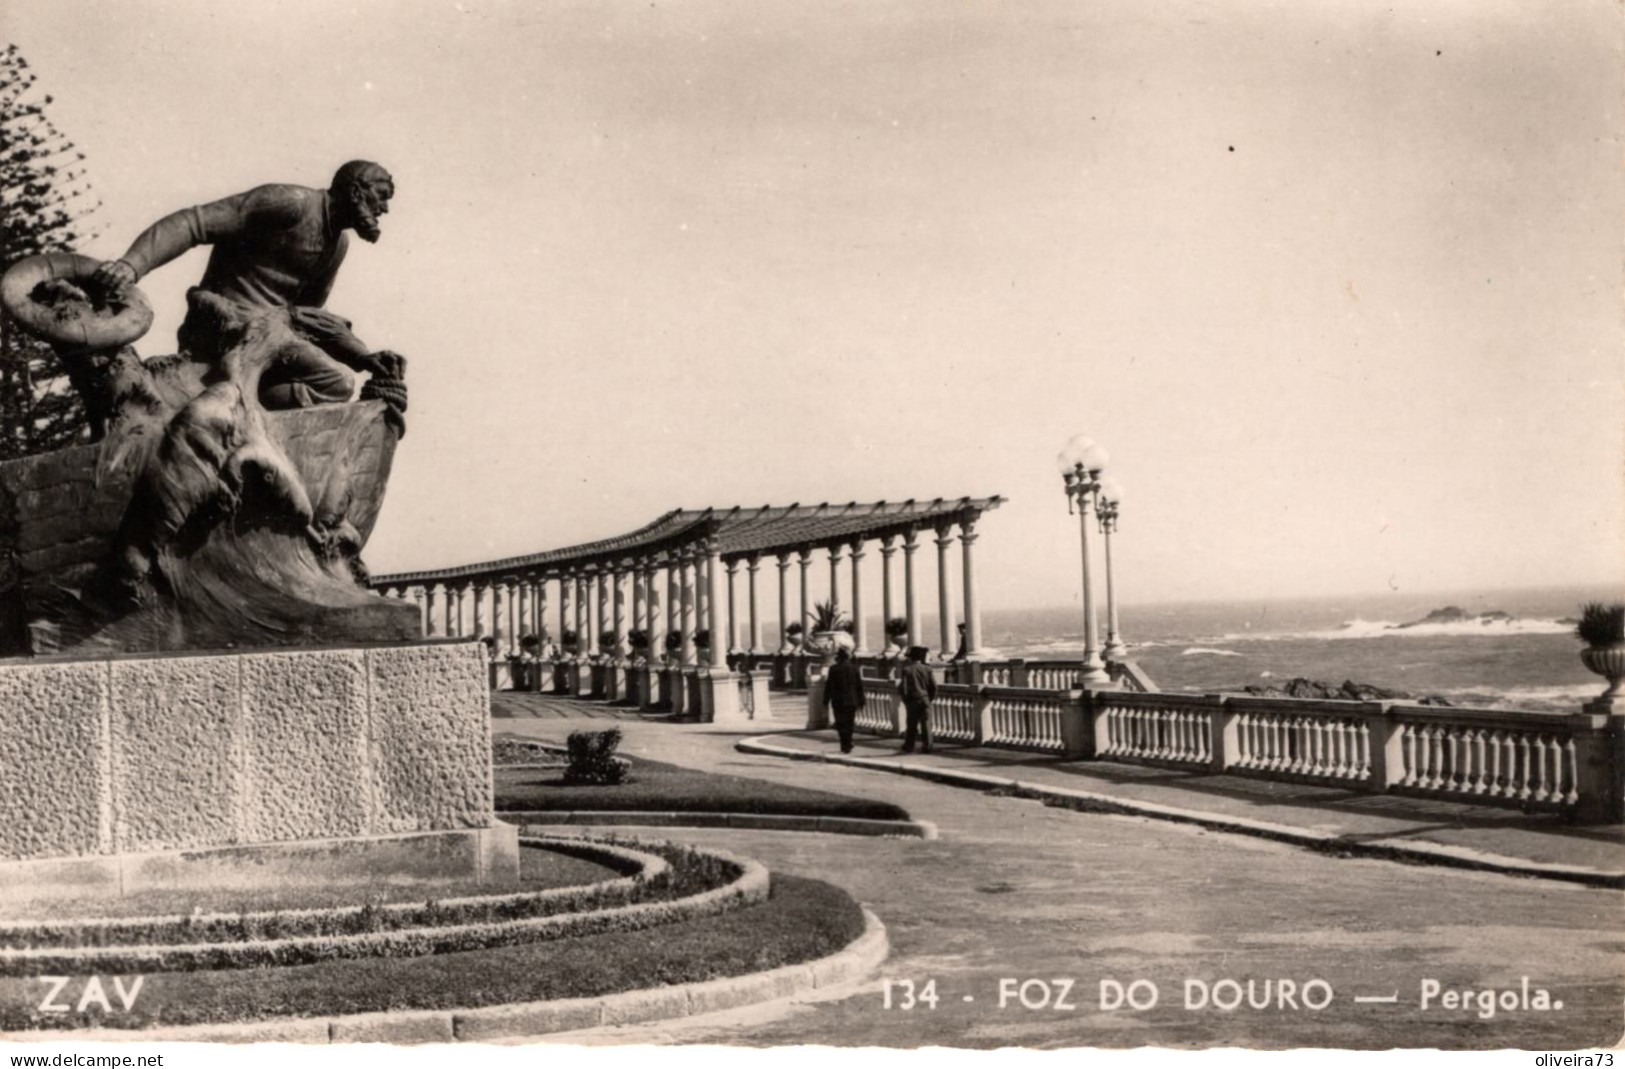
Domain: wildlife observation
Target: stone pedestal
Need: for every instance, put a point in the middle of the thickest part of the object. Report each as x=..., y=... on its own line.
x=817, y=713
x=119, y=761
x=649, y=687
x=719, y=698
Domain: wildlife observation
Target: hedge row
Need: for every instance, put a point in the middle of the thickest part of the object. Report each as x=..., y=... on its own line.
x=748, y=885
x=642, y=874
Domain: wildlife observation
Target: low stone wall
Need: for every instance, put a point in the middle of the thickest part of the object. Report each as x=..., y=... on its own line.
x=148, y=754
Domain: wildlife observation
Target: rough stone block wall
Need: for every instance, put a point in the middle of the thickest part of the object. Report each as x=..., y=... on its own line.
x=422, y=746
x=177, y=752
x=55, y=761
x=177, y=766
x=306, y=717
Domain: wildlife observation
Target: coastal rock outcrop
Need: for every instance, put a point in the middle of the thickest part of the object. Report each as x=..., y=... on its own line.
x=1300, y=687
x=1452, y=614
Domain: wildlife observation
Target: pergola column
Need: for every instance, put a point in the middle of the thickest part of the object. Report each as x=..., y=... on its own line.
x=713, y=603
x=618, y=580
x=860, y=627
x=686, y=570
x=583, y=624
x=752, y=565
x=522, y=610
x=733, y=615
x=540, y=606
x=566, y=602
x=429, y=630
x=835, y=579
x=499, y=605
x=640, y=602
x=805, y=560
x=450, y=611
x=479, y=608
x=945, y=593
x=973, y=614
x=654, y=621
x=783, y=562
x=911, y=605
x=600, y=599
x=702, y=593
x=674, y=601
x=888, y=549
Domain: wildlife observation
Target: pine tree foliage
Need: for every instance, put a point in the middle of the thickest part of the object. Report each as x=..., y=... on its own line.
x=44, y=199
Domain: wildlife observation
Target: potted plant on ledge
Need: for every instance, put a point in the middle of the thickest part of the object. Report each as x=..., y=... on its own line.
x=831, y=628
x=897, y=632
x=1602, y=628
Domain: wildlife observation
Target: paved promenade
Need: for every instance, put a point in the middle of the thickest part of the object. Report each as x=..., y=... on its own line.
x=1015, y=891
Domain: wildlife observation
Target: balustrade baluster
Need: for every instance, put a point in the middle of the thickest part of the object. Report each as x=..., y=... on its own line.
x=1571, y=773
x=1540, y=785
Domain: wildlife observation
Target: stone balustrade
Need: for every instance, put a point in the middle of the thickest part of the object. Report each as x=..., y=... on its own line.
x=1534, y=761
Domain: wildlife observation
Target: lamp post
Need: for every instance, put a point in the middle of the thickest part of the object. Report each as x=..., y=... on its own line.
x=1080, y=463
x=1107, y=500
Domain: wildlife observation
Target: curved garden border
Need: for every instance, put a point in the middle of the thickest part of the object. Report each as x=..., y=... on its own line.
x=749, y=887
x=852, y=963
x=637, y=869
x=906, y=829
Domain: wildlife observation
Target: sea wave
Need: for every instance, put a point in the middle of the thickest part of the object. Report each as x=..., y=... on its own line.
x=1198, y=651
x=1566, y=695
x=1358, y=628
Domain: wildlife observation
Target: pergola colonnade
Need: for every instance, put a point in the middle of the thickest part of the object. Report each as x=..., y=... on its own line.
x=614, y=585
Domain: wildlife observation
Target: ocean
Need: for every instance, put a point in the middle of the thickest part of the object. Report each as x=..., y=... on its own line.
x=1523, y=655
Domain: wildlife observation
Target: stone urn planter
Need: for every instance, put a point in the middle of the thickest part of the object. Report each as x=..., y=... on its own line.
x=1602, y=628
x=1608, y=662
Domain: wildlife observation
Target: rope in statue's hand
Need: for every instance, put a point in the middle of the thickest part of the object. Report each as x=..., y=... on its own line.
x=388, y=384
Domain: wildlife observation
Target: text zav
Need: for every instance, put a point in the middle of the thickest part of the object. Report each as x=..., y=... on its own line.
x=59, y=993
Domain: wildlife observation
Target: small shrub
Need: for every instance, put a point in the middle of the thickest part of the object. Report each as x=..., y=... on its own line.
x=592, y=758
x=1600, y=624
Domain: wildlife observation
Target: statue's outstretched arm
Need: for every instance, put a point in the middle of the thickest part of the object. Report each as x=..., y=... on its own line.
x=263, y=208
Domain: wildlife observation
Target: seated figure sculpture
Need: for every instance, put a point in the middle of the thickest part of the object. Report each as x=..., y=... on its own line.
x=209, y=513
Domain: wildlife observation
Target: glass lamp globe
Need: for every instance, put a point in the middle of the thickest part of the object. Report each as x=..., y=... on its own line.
x=1072, y=454
x=1111, y=491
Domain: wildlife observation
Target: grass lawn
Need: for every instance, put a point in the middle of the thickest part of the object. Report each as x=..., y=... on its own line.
x=801, y=920
x=656, y=786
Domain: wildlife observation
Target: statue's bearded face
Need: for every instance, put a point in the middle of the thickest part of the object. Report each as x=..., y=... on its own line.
x=369, y=198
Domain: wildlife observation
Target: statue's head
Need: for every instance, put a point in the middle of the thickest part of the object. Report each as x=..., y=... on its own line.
x=361, y=190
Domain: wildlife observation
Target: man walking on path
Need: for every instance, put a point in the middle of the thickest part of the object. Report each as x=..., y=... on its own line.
x=918, y=688
x=843, y=693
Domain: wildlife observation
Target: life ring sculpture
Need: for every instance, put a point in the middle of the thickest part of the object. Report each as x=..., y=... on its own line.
x=51, y=295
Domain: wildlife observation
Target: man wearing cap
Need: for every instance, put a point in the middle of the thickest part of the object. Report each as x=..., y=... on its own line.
x=918, y=688
x=843, y=693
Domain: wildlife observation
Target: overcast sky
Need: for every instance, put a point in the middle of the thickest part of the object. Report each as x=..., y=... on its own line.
x=1338, y=285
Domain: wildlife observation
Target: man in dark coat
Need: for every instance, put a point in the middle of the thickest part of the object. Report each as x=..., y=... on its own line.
x=918, y=688
x=843, y=693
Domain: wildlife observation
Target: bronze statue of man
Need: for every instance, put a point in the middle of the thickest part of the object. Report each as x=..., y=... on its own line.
x=278, y=246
